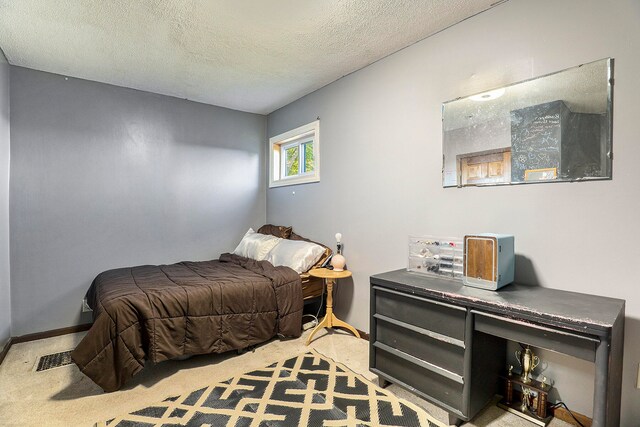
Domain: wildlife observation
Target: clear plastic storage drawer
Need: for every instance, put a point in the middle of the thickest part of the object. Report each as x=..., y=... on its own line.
x=438, y=256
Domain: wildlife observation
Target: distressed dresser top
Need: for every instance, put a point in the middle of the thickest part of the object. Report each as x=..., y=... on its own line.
x=580, y=312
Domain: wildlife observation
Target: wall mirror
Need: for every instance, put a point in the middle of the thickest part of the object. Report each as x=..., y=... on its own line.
x=548, y=129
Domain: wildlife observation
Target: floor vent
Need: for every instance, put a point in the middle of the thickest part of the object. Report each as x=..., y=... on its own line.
x=55, y=360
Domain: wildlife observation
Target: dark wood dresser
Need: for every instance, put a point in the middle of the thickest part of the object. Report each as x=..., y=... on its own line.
x=312, y=287
x=446, y=342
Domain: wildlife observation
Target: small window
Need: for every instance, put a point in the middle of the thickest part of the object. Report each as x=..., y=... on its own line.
x=294, y=156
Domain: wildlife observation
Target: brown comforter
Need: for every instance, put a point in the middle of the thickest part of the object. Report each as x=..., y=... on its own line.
x=160, y=312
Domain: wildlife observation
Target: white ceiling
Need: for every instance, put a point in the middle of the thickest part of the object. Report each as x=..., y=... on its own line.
x=252, y=56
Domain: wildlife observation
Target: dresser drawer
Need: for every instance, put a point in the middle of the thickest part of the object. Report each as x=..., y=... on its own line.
x=312, y=287
x=567, y=342
x=429, y=384
x=419, y=343
x=441, y=318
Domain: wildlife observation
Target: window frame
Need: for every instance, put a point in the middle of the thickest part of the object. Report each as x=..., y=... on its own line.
x=277, y=159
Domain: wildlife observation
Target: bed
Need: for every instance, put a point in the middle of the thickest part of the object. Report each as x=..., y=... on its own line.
x=161, y=312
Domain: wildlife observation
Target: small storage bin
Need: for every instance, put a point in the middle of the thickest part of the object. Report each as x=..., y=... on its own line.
x=437, y=256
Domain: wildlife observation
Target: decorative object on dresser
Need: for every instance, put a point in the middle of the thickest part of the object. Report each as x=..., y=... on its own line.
x=330, y=320
x=489, y=260
x=484, y=260
x=439, y=256
x=446, y=342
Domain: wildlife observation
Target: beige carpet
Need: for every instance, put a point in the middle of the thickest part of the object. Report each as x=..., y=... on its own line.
x=65, y=397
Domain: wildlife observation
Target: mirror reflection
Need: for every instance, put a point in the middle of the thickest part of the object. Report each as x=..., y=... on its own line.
x=548, y=129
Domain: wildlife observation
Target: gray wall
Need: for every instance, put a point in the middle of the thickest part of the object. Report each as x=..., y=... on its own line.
x=105, y=177
x=5, y=288
x=382, y=157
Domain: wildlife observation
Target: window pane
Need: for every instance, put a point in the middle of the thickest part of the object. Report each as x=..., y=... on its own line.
x=293, y=156
x=292, y=161
x=308, y=157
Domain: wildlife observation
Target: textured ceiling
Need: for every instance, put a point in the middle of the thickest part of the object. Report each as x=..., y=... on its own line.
x=252, y=56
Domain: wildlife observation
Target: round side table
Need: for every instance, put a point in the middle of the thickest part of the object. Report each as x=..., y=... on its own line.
x=330, y=320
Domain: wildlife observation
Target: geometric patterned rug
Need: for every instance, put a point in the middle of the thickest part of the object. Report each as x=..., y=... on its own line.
x=308, y=390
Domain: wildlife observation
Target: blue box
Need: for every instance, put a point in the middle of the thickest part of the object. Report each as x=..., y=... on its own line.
x=489, y=260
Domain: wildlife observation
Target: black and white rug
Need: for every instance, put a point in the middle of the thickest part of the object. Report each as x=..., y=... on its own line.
x=308, y=390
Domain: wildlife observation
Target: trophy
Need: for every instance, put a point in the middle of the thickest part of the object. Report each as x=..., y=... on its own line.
x=534, y=393
x=526, y=399
x=528, y=361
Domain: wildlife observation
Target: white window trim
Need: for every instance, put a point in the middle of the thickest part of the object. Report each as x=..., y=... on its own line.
x=309, y=131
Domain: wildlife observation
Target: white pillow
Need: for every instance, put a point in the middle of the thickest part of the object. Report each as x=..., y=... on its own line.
x=255, y=245
x=297, y=254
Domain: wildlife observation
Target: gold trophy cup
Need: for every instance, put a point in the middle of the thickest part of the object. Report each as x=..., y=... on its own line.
x=528, y=361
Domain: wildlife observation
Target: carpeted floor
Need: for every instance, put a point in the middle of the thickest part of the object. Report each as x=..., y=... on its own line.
x=64, y=397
